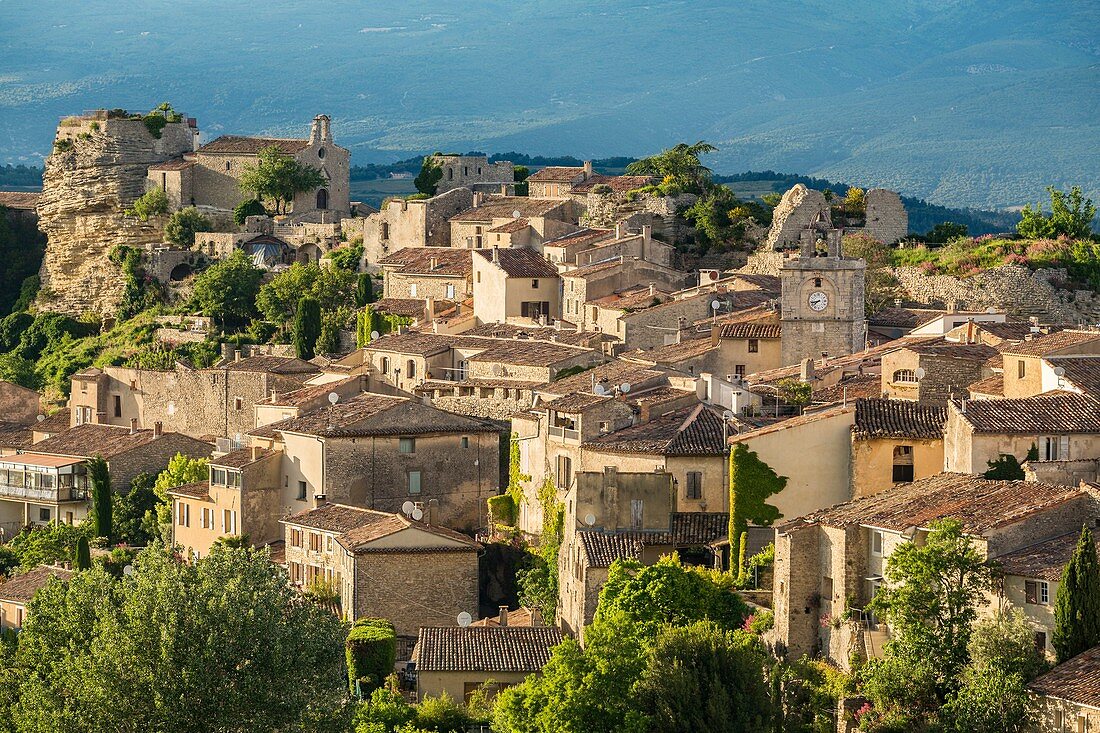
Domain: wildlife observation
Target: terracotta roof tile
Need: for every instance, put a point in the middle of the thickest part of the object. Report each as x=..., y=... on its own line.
x=577, y=402
x=420, y=261
x=505, y=207
x=612, y=374
x=511, y=227
x=241, y=458
x=879, y=418
x=1046, y=345
x=850, y=388
x=21, y=588
x=556, y=174
x=270, y=364
x=373, y=414
x=687, y=529
x=564, y=335
x=175, y=164
x=91, y=439
x=1076, y=680
x=993, y=385
x=689, y=431
x=529, y=353
x=1059, y=412
x=198, y=490
x=673, y=354
x=579, y=237
x=903, y=317
x=357, y=527
x=1043, y=561
x=751, y=331
x=484, y=648
x=520, y=262
x=618, y=184
x=1082, y=372
x=408, y=307
x=238, y=145
x=950, y=350
x=15, y=435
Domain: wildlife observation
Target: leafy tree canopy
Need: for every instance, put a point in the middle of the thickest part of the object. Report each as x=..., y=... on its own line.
x=278, y=177
x=153, y=202
x=184, y=224
x=331, y=287
x=680, y=165
x=431, y=173
x=1071, y=216
x=226, y=291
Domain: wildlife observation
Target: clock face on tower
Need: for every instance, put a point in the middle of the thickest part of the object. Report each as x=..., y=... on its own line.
x=818, y=301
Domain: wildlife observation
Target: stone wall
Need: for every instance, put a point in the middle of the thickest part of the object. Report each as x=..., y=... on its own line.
x=799, y=209
x=400, y=224
x=97, y=172
x=416, y=589
x=887, y=220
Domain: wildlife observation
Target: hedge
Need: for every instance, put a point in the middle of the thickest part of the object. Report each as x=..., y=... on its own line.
x=371, y=654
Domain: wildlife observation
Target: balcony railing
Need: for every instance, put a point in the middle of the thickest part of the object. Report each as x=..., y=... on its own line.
x=564, y=433
x=14, y=490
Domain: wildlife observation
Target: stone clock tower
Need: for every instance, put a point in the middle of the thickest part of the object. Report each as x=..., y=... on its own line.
x=821, y=306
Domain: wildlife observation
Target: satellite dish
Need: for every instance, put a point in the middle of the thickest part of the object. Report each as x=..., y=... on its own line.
x=516, y=214
x=128, y=570
x=41, y=418
x=465, y=619
x=589, y=519
x=600, y=390
x=407, y=507
x=919, y=373
x=715, y=305
x=418, y=514
x=991, y=310
x=374, y=335
x=624, y=387
x=333, y=398
x=1059, y=372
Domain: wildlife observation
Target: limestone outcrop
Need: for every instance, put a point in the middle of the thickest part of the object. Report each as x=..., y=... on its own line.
x=799, y=209
x=98, y=168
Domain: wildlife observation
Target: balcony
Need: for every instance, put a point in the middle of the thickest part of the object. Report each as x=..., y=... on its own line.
x=567, y=435
x=24, y=490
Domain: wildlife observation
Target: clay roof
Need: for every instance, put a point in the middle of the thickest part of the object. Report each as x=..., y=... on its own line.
x=1057, y=412
x=686, y=529
x=522, y=616
x=691, y=348
x=414, y=342
x=484, y=648
x=556, y=173
x=358, y=527
x=418, y=261
x=565, y=335
x=173, y=164
x=850, y=388
x=1007, y=331
x=871, y=355
x=510, y=227
x=1042, y=561
x=612, y=373
x=42, y=461
x=951, y=350
x=1082, y=372
x=1052, y=343
x=90, y=439
x=505, y=207
x=879, y=418
x=15, y=435
x=520, y=262
x=751, y=331
x=270, y=364
x=618, y=184
x=595, y=268
x=369, y=414
x=980, y=504
x=431, y=384
x=1076, y=680
x=577, y=402
x=20, y=200
x=305, y=395
x=587, y=235
x=689, y=431
x=241, y=458
x=530, y=353
x=992, y=385
x=54, y=424
x=768, y=283
x=793, y=422
x=238, y=145
x=903, y=317
x=197, y=490
x=409, y=307
x=638, y=297
x=21, y=588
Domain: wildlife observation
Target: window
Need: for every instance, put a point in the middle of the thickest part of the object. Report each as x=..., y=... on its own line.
x=465, y=170
x=229, y=521
x=314, y=542
x=450, y=174
x=1037, y=592
x=1021, y=369
x=450, y=292
x=321, y=153
x=118, y=405
x=328, y=543
x=410, y=370
x=739, y=371
x=301, y=491
x=414, y=482
x=295, y=538
x=479, y=277
x=412, y=290
x=1054, y=447
x=817, y=282
x=1041, y=640
x=754, y=346
x=694, y=485
x=385, y=365
x=876, y=542
x=565, y=472
x=238, y=404
x=903, y=463
x=43, y=514
x=233, y=479
x=637, y=509
x=465, y=441
x=905, y=375
x=228, y=164
x=385, y=230
x=183, y=514
x=535, y=283
x=406, y=445
x=217, y=476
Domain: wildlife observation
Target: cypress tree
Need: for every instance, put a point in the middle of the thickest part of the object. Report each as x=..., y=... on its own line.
x=364, y=290
x=751, y=482
x=82, y=559
x=101, y=497
x=307, y=327
x=1077, y=605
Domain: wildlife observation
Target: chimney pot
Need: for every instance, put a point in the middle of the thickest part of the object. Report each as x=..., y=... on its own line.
x=236, y=355
x=504, y=615
x=158, y=428
x=536, y=617
x=496, y=254
x=133, y=425
x=587, y=169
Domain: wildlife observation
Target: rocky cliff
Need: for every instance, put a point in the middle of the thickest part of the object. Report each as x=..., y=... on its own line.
x=98, y=168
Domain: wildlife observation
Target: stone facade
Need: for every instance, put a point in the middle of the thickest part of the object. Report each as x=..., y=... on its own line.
x=19, y=404
x=416, y=223
x=799, y=209
x=415, y=589
x=887, y=220
x=468, y=171
x=822, y=306
x=944, y=375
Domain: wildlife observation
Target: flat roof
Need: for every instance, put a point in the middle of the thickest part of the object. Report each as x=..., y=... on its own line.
x=31, y=459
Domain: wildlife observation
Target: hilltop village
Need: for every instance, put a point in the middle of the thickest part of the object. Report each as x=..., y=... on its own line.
x=503, y=438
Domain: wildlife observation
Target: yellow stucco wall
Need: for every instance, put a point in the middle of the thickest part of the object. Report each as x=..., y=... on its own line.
x=873, y=462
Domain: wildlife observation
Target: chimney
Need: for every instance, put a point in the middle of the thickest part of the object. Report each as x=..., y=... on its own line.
x=806, y=372
x=255, y=452
x=643, y=412
x=971, y=332
x=587, y=169
x=647, y=233
x=158, y=429
x=477, y=199
x=315, y=131
x=133, y=425
x=536, y=617
x=680, y=323
x=320, y=500
x=496, y=255
x=504, y=189
x=101, y=418
x=620, y=229
x=504, y=615
x=236, y=355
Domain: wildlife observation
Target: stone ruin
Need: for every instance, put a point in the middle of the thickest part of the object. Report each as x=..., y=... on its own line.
x=804, y=213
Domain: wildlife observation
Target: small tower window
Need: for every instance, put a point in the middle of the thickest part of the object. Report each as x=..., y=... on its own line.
x=817, y=282
x=320, y=152
x=228, y=163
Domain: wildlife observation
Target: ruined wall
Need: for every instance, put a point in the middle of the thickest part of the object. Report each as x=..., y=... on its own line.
x=97, y=170
x=887, y=220
x=798, y=209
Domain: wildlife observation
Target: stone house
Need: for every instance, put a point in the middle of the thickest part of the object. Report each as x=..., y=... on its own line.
x=19, y=404
x=461, y=660
x=933, y=371
x=281, y=406
x=377, y=452
x=1068, y=696
x=49, y=482
x=404, y=223
x=473, y=172
x=830, y=563
x=20, y=206
x=895, y=441
x=218, y=400
x=1063, y=426
x=240, y=498
x=1029, y=366
x=14, y=437
x=515, y=285
x=748, y=347
x=617, y=275
x=404, y=361
x=564, y=250
x=208, y=177
x=512, y=221
x=629, y=244
x=428, y=272
x=384, y=565
x=18, y=590
x=557, y=181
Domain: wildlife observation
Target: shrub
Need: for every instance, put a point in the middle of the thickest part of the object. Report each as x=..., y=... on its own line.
x=371, y=650
x=346, y=258
x=502, y=510
x=247, y=208
x=153, y=202
x=184, y=224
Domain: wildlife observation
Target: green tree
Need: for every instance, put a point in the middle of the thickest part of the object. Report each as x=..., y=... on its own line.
x=15, y=368
x=181, y=470
x=371, y=650
x=332, y=287
x=153, y=202
x=520, y=173
x=364, y=290
x=132, y=510
x=932, y=596
x=1071, y=216
x=751, y=483
x=1077, y=604
x=880, y=286
x=82, y=558
x=184, y=224
x=223, y=644
x=53, y=543
x=307, y=327
x=431, y=173
x=1007, y=641
x=278, y=177
x=708, y=679
x=855, y=201
x=795, y=392
x=247, y=208
x=101, y=497
x=989, y=700
x=226, y=291
x=946, y=231
x=1004, y=468
x=678, y=165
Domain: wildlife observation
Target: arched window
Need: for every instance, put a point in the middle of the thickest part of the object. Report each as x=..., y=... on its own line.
x=905, y=375
x=322, y=198
x=320, y=152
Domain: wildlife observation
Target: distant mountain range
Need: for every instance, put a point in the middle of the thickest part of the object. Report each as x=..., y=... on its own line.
x=961, y=102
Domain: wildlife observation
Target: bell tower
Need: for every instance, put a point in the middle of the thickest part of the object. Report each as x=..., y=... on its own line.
x=822, y=300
